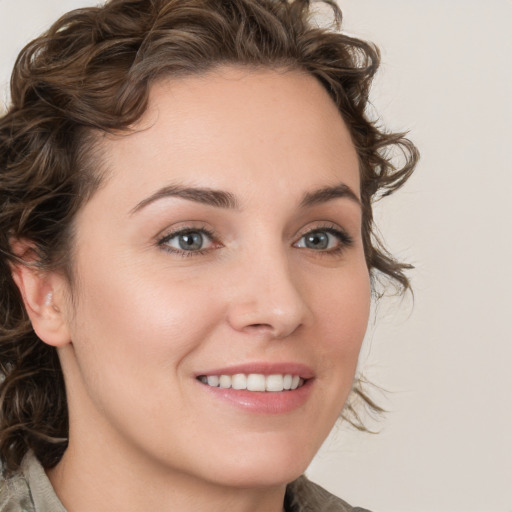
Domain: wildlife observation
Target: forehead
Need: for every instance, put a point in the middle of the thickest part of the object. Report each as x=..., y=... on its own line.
x=234, y=126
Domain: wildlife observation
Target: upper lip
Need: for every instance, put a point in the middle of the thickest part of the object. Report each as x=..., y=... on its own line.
x=265, y=368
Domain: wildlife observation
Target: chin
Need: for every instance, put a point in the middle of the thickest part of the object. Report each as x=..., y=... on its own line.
x=261, y=475
x=263, y=463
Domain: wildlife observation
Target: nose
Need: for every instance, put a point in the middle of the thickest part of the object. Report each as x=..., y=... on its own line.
x=267, y=297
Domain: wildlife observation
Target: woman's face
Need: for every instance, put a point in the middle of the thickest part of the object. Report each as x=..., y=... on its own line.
x=225, y=240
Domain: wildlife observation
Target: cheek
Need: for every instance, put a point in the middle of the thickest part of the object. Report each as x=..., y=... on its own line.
x=139, y=325
x=342, y=307
x=342, y=312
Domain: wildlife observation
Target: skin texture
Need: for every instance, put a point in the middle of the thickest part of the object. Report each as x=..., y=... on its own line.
x=144, y=321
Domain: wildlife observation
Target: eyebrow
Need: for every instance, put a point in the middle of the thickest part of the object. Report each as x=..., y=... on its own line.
x=222, y=199
x=326, y=194
x=208, y=196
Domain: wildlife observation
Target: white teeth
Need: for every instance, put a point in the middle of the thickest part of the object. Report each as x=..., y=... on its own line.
x=225, y=381
x=254, y=381
x=274, y=383
x=213, y=380
x=239, y=381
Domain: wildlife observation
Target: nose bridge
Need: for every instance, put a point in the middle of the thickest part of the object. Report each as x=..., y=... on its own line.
x=267, y=296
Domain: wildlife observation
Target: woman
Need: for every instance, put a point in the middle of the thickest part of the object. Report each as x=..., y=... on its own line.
x=187, y=254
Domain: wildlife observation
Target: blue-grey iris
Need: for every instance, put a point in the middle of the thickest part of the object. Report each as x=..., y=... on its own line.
x=190, y=241
x=317, y=240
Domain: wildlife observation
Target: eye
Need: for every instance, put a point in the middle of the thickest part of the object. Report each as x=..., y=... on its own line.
x=187, y=241
x=325, y=239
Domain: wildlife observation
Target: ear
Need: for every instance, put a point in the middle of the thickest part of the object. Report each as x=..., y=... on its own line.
x=44, y=296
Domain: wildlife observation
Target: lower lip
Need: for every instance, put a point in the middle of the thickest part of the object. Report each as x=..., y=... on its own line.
x=263, y=402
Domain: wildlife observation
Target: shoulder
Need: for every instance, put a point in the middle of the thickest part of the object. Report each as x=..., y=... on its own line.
x=15, y=494
x=305, y=496
x=28, y=490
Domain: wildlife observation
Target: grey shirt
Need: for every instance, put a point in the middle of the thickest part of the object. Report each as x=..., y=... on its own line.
x=29, y=490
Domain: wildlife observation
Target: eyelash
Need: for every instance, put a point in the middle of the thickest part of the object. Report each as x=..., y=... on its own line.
x=345, y=240
x=184, y=231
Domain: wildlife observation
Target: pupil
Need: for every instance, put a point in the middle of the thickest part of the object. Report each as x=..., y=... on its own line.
x=317, y=241
x=191, y=241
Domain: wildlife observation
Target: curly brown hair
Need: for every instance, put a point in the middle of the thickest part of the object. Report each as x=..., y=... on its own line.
x=92, y=71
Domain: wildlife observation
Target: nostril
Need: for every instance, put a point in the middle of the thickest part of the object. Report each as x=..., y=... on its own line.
x=264, y=329
x=258, y=327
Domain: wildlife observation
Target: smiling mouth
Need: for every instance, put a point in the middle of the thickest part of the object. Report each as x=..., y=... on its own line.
x=254, y=382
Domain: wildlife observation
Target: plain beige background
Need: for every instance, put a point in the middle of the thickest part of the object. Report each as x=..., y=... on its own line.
x=446, y=444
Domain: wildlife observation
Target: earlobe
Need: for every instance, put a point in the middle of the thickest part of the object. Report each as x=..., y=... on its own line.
x=42, y=294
